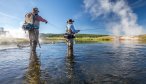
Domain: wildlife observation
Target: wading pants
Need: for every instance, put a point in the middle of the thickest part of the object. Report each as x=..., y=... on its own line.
x=70, y=43
x=33, y=37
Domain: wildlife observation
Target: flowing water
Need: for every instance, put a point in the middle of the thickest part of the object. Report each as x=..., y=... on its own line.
x=92, y=63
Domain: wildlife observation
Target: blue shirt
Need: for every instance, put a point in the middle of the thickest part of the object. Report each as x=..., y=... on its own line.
x=72, y=28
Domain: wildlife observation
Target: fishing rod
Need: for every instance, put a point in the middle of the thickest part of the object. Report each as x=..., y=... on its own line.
x=90, y=29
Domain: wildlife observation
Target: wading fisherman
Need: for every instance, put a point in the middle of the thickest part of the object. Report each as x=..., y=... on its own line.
x=70, y=33
x=32, y=21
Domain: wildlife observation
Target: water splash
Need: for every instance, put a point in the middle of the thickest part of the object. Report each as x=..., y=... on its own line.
x=16, y=33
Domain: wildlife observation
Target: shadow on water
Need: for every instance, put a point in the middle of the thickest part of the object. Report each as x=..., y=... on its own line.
x=33, y=74
x=70, y=66
x=73, y=72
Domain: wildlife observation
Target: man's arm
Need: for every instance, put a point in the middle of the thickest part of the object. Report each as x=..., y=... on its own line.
x=42, y=19
x=73, y=29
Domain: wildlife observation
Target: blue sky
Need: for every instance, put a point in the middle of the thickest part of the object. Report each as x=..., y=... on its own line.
x=12, y=14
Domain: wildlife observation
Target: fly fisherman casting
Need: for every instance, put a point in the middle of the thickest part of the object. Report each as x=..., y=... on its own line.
x=32, y=22
x=70, y=34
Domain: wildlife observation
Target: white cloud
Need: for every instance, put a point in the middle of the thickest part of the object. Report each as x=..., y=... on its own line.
x=127, y=20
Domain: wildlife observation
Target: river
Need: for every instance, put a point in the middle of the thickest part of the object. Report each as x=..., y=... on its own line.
x=92, y=63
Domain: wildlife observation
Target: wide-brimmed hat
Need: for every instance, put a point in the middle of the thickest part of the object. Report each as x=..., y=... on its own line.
x=35, y=9
x=70, y=20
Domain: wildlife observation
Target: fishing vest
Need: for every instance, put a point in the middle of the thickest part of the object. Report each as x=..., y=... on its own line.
x=69, y=34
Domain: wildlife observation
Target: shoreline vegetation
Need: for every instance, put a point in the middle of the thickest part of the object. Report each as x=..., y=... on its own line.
x=79, y=37
x=53, y=38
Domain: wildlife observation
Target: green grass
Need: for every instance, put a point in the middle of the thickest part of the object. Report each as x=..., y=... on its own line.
x=50, y=38
x=95, y=39
x=79, y=37
x=142, y=37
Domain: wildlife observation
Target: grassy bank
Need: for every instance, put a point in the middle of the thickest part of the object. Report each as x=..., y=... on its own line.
x=95, y=39
x=142, y=37
x=53, y=38
x=79, y=37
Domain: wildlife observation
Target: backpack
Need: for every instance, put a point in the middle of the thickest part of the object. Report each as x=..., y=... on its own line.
x=28, y=26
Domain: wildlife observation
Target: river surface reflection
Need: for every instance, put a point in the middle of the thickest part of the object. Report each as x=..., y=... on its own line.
x=88, y=63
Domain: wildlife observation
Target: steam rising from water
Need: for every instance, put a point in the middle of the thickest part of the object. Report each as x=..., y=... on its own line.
x=124, y=22
x=16, y=33
x=12, y=36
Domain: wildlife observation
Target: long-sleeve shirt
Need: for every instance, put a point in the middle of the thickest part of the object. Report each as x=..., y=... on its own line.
x=29, y=18
x=72, y=28
x=38, y=19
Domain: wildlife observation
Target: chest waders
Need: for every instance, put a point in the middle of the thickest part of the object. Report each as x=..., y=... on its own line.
x=33, y=39
x=70, y=42
x=33, y=36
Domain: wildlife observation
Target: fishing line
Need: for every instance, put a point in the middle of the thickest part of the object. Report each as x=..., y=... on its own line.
x=53, y=25
x=90, y=29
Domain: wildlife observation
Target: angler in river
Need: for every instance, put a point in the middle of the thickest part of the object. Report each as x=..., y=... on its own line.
x=32, y=22
x=70, y=34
